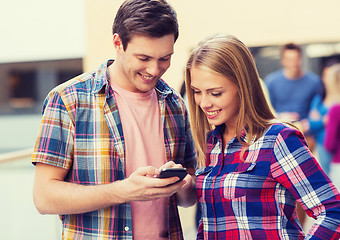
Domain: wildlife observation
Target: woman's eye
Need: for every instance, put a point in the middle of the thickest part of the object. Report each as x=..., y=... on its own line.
x=216, y=94
x=195, y=91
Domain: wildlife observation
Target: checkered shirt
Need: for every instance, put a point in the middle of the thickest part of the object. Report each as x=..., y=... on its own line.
x=81, y=131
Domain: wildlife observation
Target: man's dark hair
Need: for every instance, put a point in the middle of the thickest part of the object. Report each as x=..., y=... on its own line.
x=154, y=18
x=291, y=46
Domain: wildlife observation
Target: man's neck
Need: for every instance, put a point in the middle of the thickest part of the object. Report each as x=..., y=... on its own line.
x=115, y=74
x=293, y=75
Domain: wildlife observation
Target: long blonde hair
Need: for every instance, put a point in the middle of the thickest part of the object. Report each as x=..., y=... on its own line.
x=333, y=83
x=228, y=56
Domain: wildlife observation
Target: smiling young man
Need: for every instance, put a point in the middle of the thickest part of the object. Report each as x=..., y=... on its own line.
x=107, y=133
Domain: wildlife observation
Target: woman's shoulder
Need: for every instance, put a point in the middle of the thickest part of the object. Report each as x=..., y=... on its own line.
x=282, y=129
x=335, y=108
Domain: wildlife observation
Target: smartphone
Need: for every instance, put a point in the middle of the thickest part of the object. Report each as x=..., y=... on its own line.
x=173, y=172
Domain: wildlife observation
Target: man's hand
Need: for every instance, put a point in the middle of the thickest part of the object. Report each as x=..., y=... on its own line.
x=186, y=195
x=143, y=185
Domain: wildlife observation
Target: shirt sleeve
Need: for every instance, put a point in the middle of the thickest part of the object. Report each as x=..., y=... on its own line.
x=54, y=144
x=316, y=124
x=297, y=170
x=332, y=130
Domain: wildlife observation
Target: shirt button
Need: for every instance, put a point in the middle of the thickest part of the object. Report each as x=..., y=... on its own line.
x=126, y=228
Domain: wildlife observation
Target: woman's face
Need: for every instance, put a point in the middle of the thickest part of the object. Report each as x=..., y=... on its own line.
x=216, y=95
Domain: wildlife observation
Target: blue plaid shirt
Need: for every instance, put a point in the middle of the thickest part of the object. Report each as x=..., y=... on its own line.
x=255, y=198
x=81, y=131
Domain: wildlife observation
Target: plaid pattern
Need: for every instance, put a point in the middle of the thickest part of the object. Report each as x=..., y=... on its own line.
x=81, y=131
x=255, y=198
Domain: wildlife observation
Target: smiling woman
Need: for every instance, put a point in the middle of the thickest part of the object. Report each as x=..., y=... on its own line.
x=254, y=169
x=225, y=63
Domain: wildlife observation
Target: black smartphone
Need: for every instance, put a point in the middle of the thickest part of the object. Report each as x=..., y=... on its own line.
x=173, y=172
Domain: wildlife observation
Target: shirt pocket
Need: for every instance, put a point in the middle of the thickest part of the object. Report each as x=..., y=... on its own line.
x=235, y=183
x=203, y=182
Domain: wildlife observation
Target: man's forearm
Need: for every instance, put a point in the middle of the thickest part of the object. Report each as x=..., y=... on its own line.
x=69, y=198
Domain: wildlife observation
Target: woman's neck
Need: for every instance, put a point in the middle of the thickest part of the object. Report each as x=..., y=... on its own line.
x=228, y=134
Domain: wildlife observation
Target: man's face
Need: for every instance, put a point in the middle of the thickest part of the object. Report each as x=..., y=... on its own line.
x=291, y=61
x=143, y=62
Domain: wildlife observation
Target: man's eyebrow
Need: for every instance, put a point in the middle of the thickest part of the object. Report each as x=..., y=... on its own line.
x=147, y=56
x=141, y=55
x=168, y=55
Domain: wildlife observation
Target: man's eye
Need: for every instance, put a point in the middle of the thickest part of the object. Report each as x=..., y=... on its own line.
x=164, y=59
x=144, y=59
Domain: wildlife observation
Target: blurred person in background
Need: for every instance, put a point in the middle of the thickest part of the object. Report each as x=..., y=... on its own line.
x=332, y=136
x=291, y=91
x=106, y=134
x=316, y=122
x=253, y=168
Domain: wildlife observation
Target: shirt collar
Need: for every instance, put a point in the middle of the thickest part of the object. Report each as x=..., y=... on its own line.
x=218, y=132
x=101, y=77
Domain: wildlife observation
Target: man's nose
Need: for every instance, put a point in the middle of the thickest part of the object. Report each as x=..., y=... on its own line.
x=153, y=68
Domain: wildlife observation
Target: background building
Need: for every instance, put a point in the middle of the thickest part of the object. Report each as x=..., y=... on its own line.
x=44, y=43
x=262, y=25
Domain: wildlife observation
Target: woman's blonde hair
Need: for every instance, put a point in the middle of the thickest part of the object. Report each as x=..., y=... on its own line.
x=333, y=83
x=228, y=56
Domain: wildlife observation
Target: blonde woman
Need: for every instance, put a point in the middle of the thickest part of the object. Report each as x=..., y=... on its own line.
x=332, y=137
x=253, y=169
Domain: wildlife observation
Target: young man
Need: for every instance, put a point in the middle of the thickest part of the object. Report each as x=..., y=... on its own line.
x=106, y=134
x=292, y=89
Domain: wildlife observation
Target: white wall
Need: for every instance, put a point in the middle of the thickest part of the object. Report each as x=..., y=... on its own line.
x=41, y=30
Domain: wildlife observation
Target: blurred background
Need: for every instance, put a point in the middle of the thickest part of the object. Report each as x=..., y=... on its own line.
x=44, y=43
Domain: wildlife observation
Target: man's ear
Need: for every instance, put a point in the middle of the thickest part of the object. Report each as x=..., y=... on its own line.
x=117, y=43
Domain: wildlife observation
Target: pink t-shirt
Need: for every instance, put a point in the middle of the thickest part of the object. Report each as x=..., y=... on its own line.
x=144, y=146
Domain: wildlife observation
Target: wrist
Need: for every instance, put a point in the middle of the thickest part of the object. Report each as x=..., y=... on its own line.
x=116, y=193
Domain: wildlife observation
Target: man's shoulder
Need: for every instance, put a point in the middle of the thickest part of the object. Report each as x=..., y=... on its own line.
x=312, y=77
x=86, y=83
x=274, y=77
x=78, y=83
x=70, y=92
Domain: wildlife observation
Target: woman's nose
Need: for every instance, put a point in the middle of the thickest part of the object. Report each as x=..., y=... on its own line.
x=205, y=101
